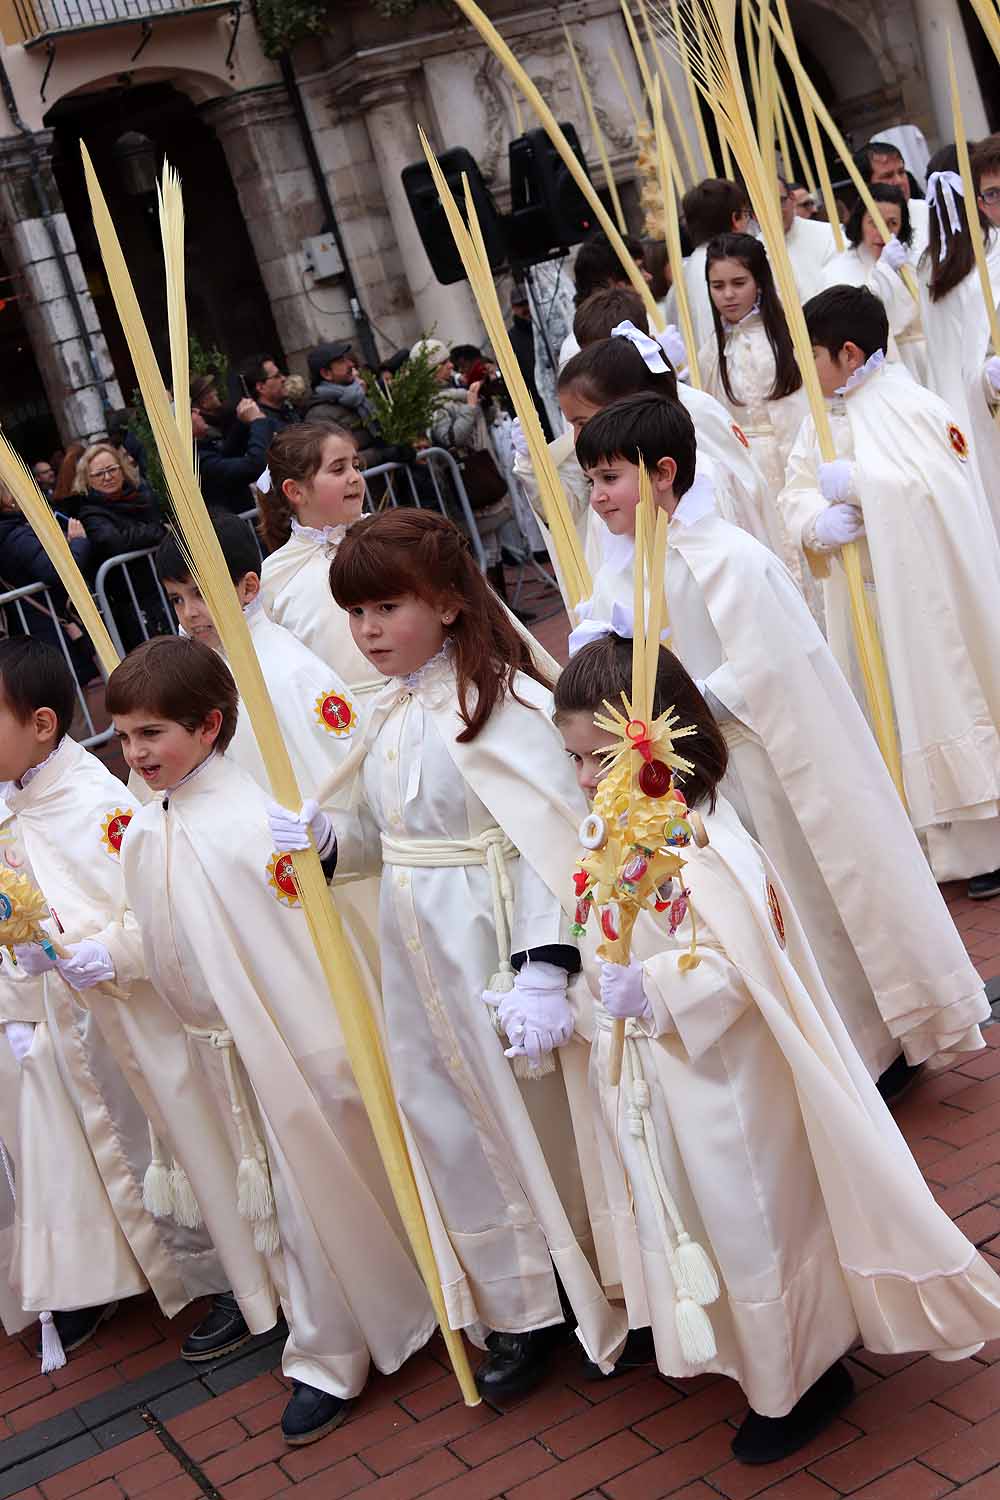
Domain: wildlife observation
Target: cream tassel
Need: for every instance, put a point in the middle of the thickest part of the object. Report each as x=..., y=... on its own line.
x=53, y=1354
x=697, y=1274
x=156, y=1198
x=254, y=1197
x=265, y=1236
x=694, y=1330
x=183, y=1201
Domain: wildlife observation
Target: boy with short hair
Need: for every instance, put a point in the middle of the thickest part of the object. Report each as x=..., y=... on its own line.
x=931, y=563
x=805, y=773
x=223, y=938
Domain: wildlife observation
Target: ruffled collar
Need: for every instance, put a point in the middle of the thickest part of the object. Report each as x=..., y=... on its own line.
x=324, y=536
x=9, y=790
x=745, y=321
x=436, y=674
x=871, y=366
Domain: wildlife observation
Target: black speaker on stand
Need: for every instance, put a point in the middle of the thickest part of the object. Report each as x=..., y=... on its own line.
x=431, y=221
x=548, y=210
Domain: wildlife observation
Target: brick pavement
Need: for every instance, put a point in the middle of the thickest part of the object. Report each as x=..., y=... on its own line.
x=126, y=1418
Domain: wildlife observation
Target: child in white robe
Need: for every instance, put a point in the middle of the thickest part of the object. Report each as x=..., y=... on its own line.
x=747, y=1126
x=799, y=750
x=931, y=561
x=223, y=938
x=749, y=365
x=467, y=810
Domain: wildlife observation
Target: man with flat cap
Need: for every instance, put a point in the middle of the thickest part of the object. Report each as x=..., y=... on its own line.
x=339, y=396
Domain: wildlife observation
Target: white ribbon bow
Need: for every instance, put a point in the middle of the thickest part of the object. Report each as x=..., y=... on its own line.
x=942, y=188
x=264, y=482
x=622, y=623
x=650, y=350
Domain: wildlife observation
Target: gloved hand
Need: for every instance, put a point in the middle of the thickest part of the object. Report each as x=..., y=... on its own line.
x=622, y=992
x=992, y=372
x=894, y=254
x=88, y=963
x=33, y=959
x=290, y=831
x=837, y=481
x=535, y=1014
x=518, y=440
x=838, y=525
x=671, y=341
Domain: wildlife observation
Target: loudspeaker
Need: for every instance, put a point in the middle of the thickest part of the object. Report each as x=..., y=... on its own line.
x=432, y=224
x=548, y=210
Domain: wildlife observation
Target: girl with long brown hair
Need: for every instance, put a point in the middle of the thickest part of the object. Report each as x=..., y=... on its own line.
x=466, y=807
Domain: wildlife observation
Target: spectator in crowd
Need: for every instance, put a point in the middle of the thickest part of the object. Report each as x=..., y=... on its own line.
x=391, y=367
x=522, y=340
x=45, y=477
x=218, y=414
x=120, y=513
x=264, y=383
x=23, y=561
x=65, y=495
x=297, y=392
x=226, y=478
x=339, y=396
x=804, y=200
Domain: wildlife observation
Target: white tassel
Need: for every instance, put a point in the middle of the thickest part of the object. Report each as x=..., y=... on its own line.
x=635, y=1127
x=694, y=1331
x=265, y=1236
x=694, y=1271
x=53, y=1354
x=525, y=1068
x=640, y=1093
x=156, y=1198
x=254, y=1198
x=501, y=983
x=183, y=1201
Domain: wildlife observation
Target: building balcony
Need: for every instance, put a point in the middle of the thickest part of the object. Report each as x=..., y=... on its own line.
x=29, y=22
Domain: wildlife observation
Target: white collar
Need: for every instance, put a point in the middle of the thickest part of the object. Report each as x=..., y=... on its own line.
x=254, y=609
x=871, y=366
x=753, y=313
x=433, y=671
x=695, y=503
x=329, y=536
x=170, y=790
x=10, y=789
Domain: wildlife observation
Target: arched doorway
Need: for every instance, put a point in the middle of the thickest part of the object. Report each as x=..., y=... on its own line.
x=128, y=130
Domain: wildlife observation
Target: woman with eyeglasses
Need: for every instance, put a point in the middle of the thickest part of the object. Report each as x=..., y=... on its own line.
x=119, y=513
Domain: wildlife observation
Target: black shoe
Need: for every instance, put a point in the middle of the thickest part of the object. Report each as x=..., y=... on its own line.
x=765, y=1440
x=516, y=1362
x=638, y=1350
x=311, y=1414
x=982, y=887
x=76, y=1328
x=220, y=1333
x=898, y=1078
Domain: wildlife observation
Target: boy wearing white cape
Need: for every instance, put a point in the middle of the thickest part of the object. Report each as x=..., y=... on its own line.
x=748, y=1128
x=800, y=750
x=223, y=939
x=932, y=566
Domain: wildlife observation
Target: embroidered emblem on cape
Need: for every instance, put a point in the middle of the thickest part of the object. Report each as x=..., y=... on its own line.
x=740, y=435
x=113, y=829
x=281, y=879
x=335, y=713
x=957, y=439
x=774, y=912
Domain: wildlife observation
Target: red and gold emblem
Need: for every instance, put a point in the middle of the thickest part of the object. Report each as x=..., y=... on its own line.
x=740, y=435
x=335, y=713
x=113, y=829
x=957, y=439
x=774, y=911
x=281, y=879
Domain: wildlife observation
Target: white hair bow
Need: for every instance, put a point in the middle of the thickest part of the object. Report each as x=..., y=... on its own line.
x=622, y=623
x=941, y=189
x=264, y=482
x=650, y=350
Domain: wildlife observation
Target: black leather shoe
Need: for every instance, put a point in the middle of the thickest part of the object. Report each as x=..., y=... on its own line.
x=220, y=1333
x=983, y=887
x=897, y=1080
x=765, y=1440
x=516, y=1362
x=311, y=1414
x=77, y=1327
x=639, y=1350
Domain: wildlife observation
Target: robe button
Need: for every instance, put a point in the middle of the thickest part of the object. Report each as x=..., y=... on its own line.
x=402, y=881
x=413, y=945
x=391, y=755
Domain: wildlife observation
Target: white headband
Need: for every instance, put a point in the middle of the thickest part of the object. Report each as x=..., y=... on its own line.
x=942, y=187
x=650, y=350
x=622, y=623
x=264, y=482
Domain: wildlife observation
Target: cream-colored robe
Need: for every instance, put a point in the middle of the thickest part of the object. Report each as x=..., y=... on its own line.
x=225, y=942
x=858, y=266
x=811, y=249
x=84, y=1236
x=496, y=1163
x=933, y=567
x=698, y=297
x=808, y=781
x=770, y=426
x=783, y=1160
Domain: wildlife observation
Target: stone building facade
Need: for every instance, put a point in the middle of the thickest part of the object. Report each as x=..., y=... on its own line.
x=140, y=79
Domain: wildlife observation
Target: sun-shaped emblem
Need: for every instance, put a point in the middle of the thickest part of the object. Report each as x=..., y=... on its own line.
x=740, y=435
x=113, y=829
x=958, y=441
x=335, y=713
x=281, y=879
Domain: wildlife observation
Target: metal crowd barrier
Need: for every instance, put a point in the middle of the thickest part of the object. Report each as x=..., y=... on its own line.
x=435, y=462
x=13, y=602
x=143, y=614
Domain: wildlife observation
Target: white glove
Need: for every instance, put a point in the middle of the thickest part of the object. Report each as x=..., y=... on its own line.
x=837, y=481
x=535, y=1014
x=290, y=831
x=622, y=993
x=992, y=372
x=838, y=525
x=518, y=439
x=894, y=254
x=33, y=959
x=20, y=1035
x=88, y=963
x=671, y=341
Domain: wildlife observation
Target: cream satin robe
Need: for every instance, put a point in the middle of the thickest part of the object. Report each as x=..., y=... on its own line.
x=770, y=426
x=811, y=249
x=858, y=266
x=496, y=1163
x=780, y=1157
